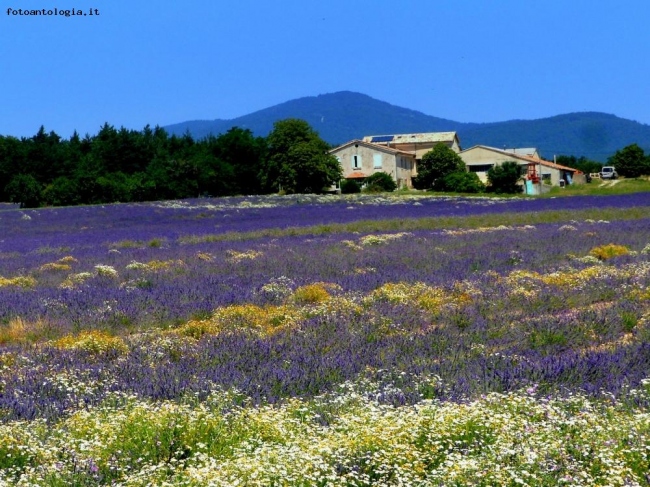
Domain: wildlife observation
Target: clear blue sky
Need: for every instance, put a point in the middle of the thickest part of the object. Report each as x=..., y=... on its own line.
x=164, y=62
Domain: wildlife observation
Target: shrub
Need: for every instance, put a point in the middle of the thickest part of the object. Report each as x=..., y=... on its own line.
x=19, y=281
x=608, y=251
x=249, y=318
x=93, y=342
x=349, y=186
x=106, y=271
x=503, y=178
x=462, y=182
x=311, y=294
x=380, y=182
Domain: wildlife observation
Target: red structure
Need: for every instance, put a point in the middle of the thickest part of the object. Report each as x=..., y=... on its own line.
x=532, y=174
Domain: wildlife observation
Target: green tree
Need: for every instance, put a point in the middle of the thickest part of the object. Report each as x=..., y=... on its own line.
x=114, y=187
x=25, y=190
x=298, y=160
x=12, y=159
x=503, y=178
x=244, y=153
x=105, y=148
x=435, y=165
x=174, y=170
x=171, y=178
x=215, y=177
x=583, y=164
x=42, y=156
x=85, y=176
x=380, y=182
x=630, y=162
x=61, y=192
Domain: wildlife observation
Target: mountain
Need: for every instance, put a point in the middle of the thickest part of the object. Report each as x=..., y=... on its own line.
x=338, y=117
x=343, y=116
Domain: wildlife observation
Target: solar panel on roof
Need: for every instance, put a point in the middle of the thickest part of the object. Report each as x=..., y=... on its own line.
x=382, y=138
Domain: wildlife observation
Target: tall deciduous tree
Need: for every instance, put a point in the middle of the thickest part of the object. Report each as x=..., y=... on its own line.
x=62, y=191
x=630, y=162
x=435, y=165
x=240, y=150
x=26, y=190
x=298, y=160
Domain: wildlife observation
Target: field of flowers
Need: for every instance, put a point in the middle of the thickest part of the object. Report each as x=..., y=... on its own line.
x=327, y=340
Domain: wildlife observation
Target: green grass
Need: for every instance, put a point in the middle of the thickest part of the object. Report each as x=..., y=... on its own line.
x=433, y=223
x=598, y=187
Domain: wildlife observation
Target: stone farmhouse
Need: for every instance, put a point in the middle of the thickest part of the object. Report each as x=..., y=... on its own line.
x=360, y=159
x=481, y=158
x=399, y=155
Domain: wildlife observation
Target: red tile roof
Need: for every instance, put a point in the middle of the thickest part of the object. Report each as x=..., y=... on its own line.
x=379, y=147
x=527, y=159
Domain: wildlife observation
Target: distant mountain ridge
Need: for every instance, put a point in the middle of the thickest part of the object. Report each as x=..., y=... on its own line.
x=345, y=115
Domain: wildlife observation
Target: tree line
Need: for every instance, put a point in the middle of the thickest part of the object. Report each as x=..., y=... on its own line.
x=129, y=165
x=630, y=162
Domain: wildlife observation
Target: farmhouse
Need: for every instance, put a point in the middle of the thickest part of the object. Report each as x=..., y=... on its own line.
x=399, y=155
x=481, y=158
x=360, y=159
x=396, y=154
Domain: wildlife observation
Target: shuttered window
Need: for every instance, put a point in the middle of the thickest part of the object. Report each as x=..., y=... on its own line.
x=376, y=160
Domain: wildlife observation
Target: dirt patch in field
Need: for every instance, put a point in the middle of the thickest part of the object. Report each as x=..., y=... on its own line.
x=610, y=183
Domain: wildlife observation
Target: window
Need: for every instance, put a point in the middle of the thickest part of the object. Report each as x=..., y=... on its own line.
x=376, y=159
x=480, y=167
x=356, y=161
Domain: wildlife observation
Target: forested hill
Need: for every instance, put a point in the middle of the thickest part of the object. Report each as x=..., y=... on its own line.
x=343, y=116
x=338, y=117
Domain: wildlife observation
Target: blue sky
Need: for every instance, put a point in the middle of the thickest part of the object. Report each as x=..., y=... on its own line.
x=165, y=62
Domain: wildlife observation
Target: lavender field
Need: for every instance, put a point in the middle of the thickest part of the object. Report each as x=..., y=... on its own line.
x=327, y=340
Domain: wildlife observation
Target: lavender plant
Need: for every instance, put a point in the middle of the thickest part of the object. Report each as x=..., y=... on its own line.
x=125, y=330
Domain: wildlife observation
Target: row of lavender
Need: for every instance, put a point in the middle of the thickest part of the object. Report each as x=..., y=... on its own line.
x=96, y=226
x=426, y=314
x=111, y=285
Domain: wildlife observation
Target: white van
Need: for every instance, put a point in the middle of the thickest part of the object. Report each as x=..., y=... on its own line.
x=608, y=172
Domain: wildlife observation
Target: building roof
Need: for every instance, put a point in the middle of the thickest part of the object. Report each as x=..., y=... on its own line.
x=523, y=151
x=378, y=147
x=412, y=138
x=523, y=158
x=356, y=175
